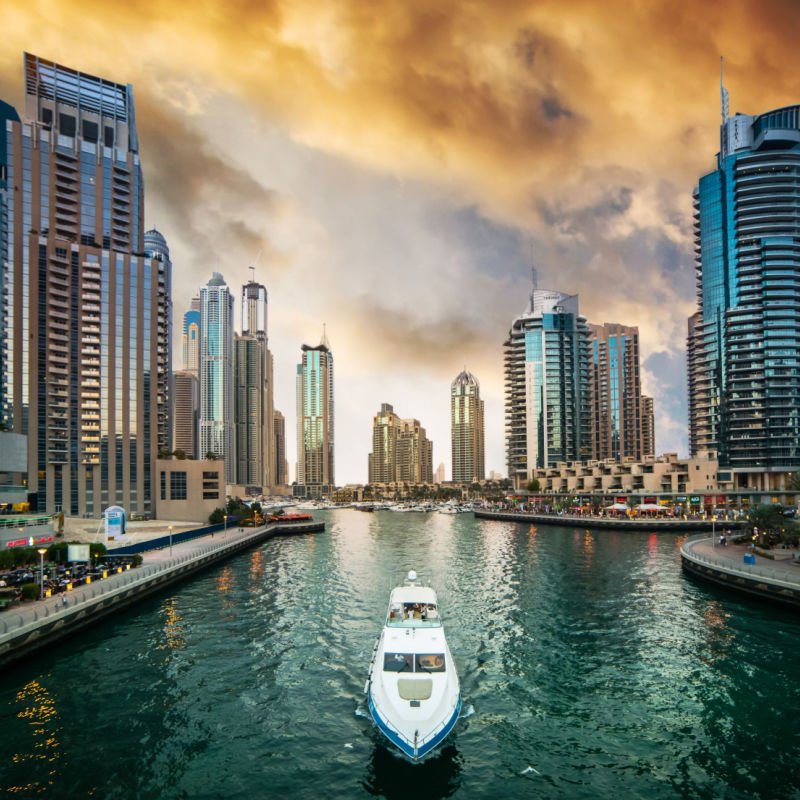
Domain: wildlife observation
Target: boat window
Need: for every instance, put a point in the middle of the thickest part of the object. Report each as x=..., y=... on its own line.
x=398, y=662
x=430, y=662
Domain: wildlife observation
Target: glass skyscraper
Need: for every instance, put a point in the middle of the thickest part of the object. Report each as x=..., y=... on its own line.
x=744, y=340
x=546, y=374
x=87, y=312
x=216, y=374
x=615, y=393
x=315, y=421
x=254, y=324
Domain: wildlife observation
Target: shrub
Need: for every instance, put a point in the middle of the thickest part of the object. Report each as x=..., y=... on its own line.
x=30, y=591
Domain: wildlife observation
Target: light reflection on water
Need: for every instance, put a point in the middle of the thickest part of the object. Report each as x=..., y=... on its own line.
x=594, y=669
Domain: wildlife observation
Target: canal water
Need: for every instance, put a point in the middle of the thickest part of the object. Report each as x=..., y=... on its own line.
x=590, y=668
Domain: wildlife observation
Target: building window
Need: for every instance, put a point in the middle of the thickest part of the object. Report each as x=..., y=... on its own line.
x=177, y=486
x=108, y=136
x=163, y=485
x=66, y=124
x=90, y=130
x=210, y=495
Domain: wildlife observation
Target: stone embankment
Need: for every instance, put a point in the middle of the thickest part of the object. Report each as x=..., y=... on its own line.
x=24, y=629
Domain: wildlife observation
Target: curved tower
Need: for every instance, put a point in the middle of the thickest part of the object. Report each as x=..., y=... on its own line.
x=744, y=362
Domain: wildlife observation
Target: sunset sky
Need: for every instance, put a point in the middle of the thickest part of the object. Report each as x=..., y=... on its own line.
x=399, y=166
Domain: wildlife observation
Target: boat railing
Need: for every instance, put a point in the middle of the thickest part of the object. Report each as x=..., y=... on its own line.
x=441, y=725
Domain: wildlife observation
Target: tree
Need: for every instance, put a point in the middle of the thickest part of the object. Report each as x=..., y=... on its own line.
x=793, y=484
x=217, y=516
x=533, y=486
x=211, y=456
x=771, y=519
x=180, y=455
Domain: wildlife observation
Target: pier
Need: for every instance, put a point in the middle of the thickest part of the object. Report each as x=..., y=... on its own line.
x=648, y=524
x=28, y=627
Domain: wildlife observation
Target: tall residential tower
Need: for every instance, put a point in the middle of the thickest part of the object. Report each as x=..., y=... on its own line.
x=216, y=374
x=87, y=315
x=315, y=421
x=546, y=374
x=744, y=349
x=466, y=428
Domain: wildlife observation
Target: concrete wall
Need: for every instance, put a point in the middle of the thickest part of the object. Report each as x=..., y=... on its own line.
x=203, y=492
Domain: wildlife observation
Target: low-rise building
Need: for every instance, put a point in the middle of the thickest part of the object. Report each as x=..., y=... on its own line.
x=189, y=490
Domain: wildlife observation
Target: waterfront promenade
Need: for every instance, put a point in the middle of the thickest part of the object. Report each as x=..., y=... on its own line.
x=777, y=580
x=31, y=625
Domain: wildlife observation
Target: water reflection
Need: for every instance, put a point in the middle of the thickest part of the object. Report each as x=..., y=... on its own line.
x=392, y=776
x=41, y=715
x=173, y=630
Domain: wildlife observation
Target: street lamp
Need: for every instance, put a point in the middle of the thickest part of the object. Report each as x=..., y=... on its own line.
x=170, y=541
x=42, y=551
x=713, y=530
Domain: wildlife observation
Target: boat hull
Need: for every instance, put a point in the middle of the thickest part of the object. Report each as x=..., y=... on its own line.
x=405, y=746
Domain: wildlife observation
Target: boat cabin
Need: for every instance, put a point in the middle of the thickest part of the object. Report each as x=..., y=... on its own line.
x=413, y=607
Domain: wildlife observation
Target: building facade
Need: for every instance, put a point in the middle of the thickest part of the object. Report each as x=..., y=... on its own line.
x=744, y=350
x=315, y=421
x=546, y=375
x=189, y=490
x=254, y=324
x=190, y=341
x=280, y=467
x=648, y=427
x=615, y=394
x=216, y=374
x=87, y=312
x=466, y=429
x=401, y=451
x=186, y=412
x=248, y=410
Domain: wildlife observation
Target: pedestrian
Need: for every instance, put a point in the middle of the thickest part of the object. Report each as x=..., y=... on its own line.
x=64, y=599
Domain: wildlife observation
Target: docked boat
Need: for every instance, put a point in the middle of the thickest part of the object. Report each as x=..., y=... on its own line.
x=413, y=690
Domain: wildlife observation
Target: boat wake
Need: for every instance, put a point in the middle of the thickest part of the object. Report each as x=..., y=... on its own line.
x=467, y=712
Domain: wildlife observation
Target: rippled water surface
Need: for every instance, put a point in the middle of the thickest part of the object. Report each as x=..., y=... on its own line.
x=590, y=667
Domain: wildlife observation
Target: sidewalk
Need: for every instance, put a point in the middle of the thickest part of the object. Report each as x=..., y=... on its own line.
x=31, y=611
x=733, y=556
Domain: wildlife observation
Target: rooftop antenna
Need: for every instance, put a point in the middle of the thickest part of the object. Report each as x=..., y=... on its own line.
x=725, y=98
x=325, y=341
x=534, y=283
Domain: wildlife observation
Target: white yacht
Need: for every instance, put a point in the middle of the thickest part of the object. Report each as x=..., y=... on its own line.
x=413, y=690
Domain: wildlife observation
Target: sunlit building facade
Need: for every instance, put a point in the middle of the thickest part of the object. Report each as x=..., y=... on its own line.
x=248, y=410
x=744, y=348
x=87, y=313
x=466, y=429
x=254, y=324
x=615, y=395
x=546, y=375
x=185, y=413
x=401, y=450
x=315, y=421
x=279, y=430
x=216, y=374
x=190, y=340
x=648, y=427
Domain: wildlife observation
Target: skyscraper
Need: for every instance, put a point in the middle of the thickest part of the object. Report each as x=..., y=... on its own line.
x=466, y=428
x=315, y=420
x=744, y=356
x=185, y=413
x=248, y=410
x=216, y=374
x=401, y=451
x=546, y=373
x=615, y=392
x=191, y=337
x=281, y=478
x=87, y=314
x=7, y=115
x=648, y=427
x=254, y=324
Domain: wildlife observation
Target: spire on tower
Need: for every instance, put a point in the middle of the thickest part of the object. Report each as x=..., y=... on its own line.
x=725, y=98
x=534, y=283
x=324, y=341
